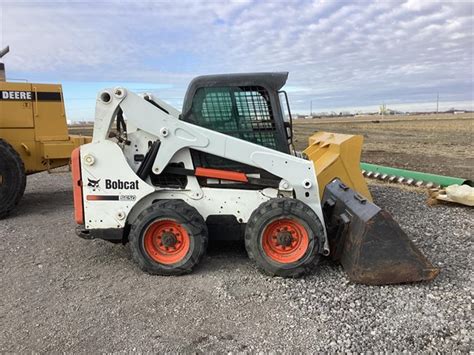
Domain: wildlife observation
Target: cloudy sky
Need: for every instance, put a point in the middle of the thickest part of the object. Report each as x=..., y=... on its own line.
x=340, y=54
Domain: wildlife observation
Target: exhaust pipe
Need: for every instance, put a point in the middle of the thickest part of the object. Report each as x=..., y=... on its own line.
x=3, y=52
x=2, y=72
x=367, y=241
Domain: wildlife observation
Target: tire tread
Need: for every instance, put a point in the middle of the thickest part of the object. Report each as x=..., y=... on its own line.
x=9, y=155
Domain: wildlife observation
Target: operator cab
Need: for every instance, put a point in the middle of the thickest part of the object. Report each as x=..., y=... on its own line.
x=245, y=106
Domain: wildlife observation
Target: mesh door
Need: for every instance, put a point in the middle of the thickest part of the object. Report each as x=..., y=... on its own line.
x=243, y=112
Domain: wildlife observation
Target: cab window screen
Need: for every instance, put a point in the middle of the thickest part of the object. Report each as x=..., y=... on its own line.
x=243, y=112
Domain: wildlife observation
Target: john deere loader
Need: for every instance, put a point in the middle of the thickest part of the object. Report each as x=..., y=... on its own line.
x=33, y=135
x=161, y=181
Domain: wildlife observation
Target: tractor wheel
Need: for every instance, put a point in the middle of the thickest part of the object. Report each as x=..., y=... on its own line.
x=283, y=236
x=12, y=178
x=168, y=238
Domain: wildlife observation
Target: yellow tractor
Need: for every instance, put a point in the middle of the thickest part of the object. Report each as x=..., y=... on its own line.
x=33, y=135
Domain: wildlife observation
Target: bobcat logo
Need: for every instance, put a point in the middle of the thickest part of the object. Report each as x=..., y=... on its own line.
x=94, y=184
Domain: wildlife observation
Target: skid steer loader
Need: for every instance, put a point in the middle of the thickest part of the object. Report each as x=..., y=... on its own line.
x=160, y=180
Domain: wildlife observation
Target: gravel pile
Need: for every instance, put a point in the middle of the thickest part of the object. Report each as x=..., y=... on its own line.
x=61, y=293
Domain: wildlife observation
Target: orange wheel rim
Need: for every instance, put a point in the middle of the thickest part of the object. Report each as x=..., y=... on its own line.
x=166, y=242
x=285, y=241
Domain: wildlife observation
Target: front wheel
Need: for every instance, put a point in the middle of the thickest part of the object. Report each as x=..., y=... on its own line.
x=12, y=178
x=283, y=236
x=168, y=238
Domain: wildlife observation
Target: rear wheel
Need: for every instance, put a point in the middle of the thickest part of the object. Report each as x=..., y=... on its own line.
x=12, y=178
x=168, y=238
x=283, y=236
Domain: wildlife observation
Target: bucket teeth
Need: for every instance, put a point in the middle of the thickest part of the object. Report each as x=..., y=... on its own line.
x=370, y=245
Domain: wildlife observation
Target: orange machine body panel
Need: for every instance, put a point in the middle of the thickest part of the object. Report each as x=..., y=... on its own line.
x=77, y=185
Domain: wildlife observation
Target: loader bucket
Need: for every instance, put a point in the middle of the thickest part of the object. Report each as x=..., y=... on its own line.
x=336, y=155
x=367, y=241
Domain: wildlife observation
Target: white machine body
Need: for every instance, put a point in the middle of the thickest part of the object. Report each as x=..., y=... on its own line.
x=113, y=194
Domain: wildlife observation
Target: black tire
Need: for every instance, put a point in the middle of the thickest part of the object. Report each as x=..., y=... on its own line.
x=279, y=209
x=183, y=214
x=12, y=178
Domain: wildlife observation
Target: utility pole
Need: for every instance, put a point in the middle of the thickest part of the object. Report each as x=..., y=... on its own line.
x=437, y=103
x=311, y=108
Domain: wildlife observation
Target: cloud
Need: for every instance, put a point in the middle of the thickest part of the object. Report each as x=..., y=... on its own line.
x=339, y=54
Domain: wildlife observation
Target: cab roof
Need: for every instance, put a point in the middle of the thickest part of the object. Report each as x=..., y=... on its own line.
x=272, y=81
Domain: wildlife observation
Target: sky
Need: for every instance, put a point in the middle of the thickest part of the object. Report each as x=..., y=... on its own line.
x=341, y=55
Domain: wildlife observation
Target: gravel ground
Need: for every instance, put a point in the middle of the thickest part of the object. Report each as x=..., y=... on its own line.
x=61, y=293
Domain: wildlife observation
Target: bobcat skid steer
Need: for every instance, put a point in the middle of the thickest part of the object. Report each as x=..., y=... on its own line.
x=160, y=180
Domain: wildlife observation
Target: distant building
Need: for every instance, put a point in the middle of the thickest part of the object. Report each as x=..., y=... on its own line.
x=383, y=110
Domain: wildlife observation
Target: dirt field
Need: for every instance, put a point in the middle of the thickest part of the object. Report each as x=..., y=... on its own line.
x=439, y=144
